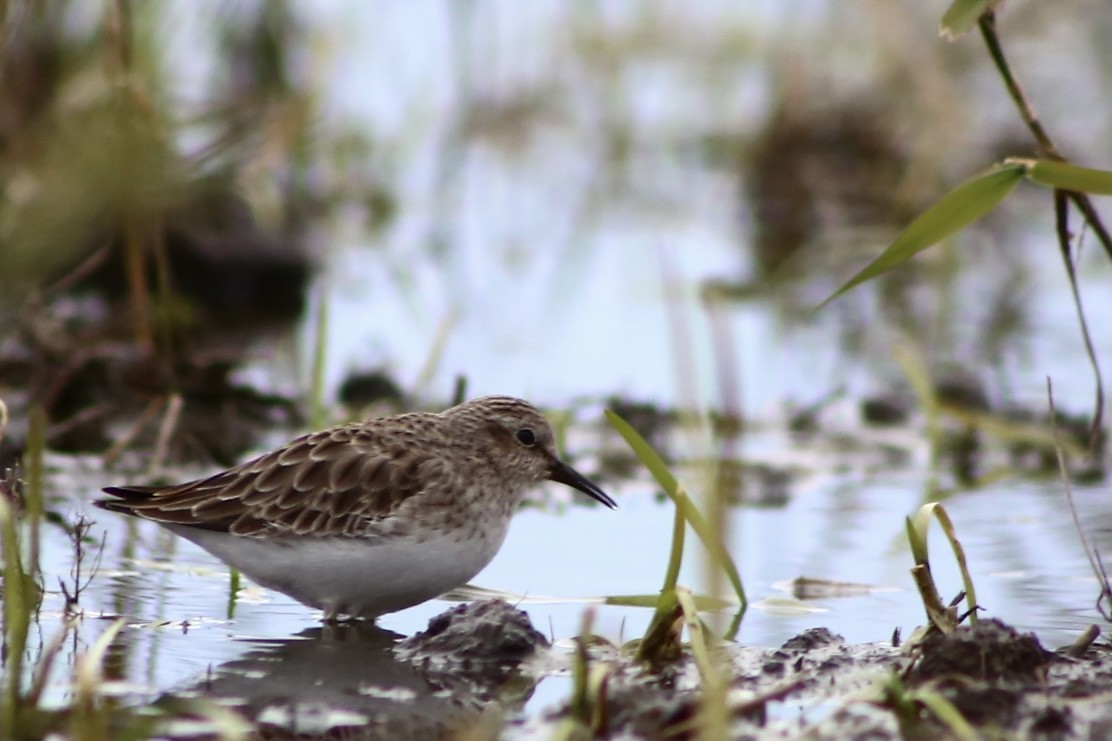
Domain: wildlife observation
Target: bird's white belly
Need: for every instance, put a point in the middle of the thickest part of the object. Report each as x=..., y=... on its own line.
x=353, y=576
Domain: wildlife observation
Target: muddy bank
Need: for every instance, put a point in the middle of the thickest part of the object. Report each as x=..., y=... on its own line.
x=476, y=666
x=985, y=679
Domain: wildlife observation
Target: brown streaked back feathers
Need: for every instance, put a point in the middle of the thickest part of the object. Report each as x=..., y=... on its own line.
x=338, y=481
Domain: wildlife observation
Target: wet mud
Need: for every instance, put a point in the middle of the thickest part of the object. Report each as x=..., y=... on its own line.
x=998, y=681
x=475, y=667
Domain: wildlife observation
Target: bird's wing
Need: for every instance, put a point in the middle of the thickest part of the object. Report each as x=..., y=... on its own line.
x=340, y=481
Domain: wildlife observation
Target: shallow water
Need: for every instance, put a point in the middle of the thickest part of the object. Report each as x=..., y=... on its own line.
x=845, y=526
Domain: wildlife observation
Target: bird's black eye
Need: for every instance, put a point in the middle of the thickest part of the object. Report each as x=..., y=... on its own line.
x=526, y=437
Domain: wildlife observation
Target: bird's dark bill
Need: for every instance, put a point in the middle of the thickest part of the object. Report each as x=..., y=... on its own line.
x=565, y=474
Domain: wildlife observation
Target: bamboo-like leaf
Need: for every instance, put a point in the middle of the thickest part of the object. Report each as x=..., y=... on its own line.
x=957, y=209
x=1066, y=176
x=961, y=16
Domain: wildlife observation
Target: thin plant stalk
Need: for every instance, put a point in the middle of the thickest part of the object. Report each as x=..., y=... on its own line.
x=1091, y=552
x=1062, y=227
x=86, y=721
x=675, y=556
x=682, y=501
x=233, y=591
x=46, y=663
x=987, y=25
x=713, y=712
x=580, y=710
x=17, y=621
x=656, y=644
x=318, y=412
x=170, y=419
x=435, y=355
x=33, y=494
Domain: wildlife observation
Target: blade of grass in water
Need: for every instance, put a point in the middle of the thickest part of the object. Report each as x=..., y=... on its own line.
x=682, y=502
x=918, y=529
x=17, y=621
x=675, y=557
x=713, y=716
x=33, y=496
x=233, y=592
x=90, y=719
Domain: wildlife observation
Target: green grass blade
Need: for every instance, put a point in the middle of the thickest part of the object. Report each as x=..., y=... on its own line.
x=675, y=557
x=718, y=551
x=682, y=502
x=33, y=493
x=961, y=16
x=954, y=211
x=696, y=636
x=916, y=536
x=945, y=711
x=918, y=528
x=91, y=719
x=233, y=592
x=17, y=621
x=645, y=453
x=580, y=704
x=704, y=602
x=1065, y=176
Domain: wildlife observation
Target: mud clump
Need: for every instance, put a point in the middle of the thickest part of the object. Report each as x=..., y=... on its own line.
x=988, y=651
x=986, y=671
x=487, y=637
x=812, y=639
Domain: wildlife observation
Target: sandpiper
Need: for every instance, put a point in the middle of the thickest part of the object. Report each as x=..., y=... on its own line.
x=371, y=517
